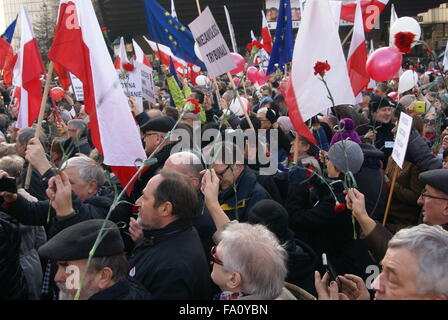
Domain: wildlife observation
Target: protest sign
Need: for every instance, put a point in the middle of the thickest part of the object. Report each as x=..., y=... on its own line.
x=401, y=139
x=131, y=82
x=212, y=46
x=147, y=82
x=77, y=87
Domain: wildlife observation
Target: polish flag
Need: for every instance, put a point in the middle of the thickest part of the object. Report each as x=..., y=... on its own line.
x=122, y=58
x=371, y=10
x=79, y=47
x=165, y=53
x=8, y=67
x=140, y=55
x=27, y=73
x=306, y=95
x=357, y=56
x=266, y=35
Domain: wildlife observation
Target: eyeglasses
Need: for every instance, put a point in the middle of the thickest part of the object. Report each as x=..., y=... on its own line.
x=432, y=197
x=428, y=121
x=214, y=258
x=221, y=173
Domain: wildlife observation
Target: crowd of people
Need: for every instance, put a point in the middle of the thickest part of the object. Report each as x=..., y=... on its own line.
x=190, y=229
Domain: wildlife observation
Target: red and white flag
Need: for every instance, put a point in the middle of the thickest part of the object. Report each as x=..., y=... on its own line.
x=140, y=55
x=164, y=53
x=27, y=73
x=357, y=56
x=265, y=34
x=122, y=57
x=306, y=94
x=79, y=47
x=371, y=10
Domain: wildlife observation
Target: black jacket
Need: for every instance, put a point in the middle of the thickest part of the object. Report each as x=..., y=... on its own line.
x=419, y=153
x=37, y=189
x=372, y=184
x=13, y=284
x=302, y=262
x=384, y=137
x=128, y=289
x=249, y=192
x=325, y=230
x=170, y=263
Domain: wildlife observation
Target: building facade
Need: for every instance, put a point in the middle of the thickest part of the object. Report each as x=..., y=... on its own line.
x=38, y=10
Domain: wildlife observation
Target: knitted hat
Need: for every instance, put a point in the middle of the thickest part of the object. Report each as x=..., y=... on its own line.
x=346, y=156
x=274, y=216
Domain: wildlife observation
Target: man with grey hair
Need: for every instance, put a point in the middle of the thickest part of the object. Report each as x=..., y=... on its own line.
x=242, y=249
x=414, y=268
x=81, y=175
x=24, y=137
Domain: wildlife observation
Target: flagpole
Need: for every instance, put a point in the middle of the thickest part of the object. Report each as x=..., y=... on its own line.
x=40, y=118
x=240, y=101
x=347, y=36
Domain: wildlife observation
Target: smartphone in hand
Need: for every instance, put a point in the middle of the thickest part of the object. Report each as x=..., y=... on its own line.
x=8, y=185
x=331, y=270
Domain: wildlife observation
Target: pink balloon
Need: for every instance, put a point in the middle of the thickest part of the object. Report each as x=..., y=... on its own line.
x=236, y=81
x=384, y=63
x=252, y=74
x=262, y=77
x=239, y=61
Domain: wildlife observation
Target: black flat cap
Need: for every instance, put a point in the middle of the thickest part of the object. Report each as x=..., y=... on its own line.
x=160, y=124
x=437, y=178
x=370, y=151
x=76, y=241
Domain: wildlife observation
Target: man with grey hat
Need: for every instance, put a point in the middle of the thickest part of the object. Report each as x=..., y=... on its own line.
x=106, y=278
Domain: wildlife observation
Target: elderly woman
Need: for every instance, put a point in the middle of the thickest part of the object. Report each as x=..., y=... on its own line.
x=241, y=249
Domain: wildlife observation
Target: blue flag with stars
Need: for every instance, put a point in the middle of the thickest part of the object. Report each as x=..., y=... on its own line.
x=163, y=28
x=283, y=43
x=9, y=32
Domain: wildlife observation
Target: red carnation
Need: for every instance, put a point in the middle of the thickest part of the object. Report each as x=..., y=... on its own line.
x=339, y=207
x=404, y=41
x=321, y=68
x=128, y=66
x=195, y=103
x=103, y=29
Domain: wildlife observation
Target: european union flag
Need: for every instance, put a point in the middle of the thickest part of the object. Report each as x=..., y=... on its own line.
x=163, y=28
x=9, y=32
x=173, y=71
x=283, y=43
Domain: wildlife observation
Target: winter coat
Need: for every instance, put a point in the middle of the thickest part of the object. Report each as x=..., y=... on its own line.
x=325, y=230
x=419, y=153
x=170, y=263
x=372, y=184
x=249, y=192
x=302, y=262
x=128, y=289
x=31, y=238
x=13, y=285
x=404, y=210
x=384, y=137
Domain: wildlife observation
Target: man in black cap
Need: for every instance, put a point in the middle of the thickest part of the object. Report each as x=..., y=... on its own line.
x=107, y=276
x=154, y=132
x=379, y=130
x=434, y=200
